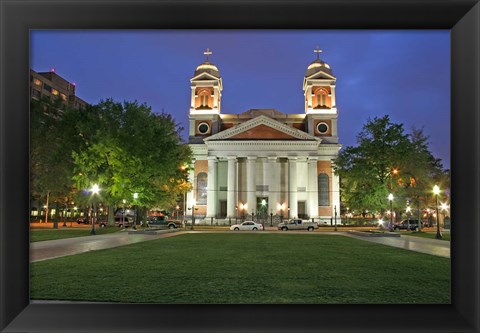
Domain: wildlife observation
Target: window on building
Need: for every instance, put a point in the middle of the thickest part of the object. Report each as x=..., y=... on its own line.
x=322, y=128
x=47, y=87
x=203, y=128
x=54, y=92
x=323, y=190
x=37, y=82
x=202, y=182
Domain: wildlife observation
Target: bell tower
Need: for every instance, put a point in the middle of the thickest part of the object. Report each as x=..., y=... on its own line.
x=320, y=100
x=205, y=104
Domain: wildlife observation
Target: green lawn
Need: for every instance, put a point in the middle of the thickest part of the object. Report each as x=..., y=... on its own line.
x=246, y=268
x=445, y=235
x=37, y=235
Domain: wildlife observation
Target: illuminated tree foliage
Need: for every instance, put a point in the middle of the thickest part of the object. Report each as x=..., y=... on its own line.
x=387, y=160
x=129, y=149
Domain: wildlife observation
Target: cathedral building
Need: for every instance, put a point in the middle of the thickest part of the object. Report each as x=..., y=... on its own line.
x=262, y=162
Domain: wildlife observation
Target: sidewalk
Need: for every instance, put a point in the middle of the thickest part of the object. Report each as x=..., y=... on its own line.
x=69, y=246
x=434, y=247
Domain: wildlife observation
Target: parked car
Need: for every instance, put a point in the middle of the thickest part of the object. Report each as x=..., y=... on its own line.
x=123, y=222
x=83, y=220
x=247, y=225
x=406, y=225
x=162, y=222
x=297, y=224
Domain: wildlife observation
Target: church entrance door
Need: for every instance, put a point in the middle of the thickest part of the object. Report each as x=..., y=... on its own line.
x=262, y=210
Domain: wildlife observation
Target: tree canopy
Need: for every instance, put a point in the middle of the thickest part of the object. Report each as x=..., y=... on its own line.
x=123, y=147
x=387, y=160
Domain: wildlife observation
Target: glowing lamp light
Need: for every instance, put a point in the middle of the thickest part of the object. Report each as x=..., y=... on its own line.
x=444, y=206
x=390, y=197
x=436, y=190
x=135, y=195
x=95, y=189
x=380, y=222
x=264, y=202
x=409, y=209
x=52, y=70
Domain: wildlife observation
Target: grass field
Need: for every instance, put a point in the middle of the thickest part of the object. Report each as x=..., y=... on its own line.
x=445, y=235
x=246, y=268
x=37, y=235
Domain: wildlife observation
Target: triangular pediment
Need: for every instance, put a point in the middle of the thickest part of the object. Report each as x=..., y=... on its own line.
x=262, y=128
x=320, y=75
x=204, y=76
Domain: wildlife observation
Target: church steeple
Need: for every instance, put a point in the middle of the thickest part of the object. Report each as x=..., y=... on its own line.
x=206, y=85
x=320, y=100
x=319, y=87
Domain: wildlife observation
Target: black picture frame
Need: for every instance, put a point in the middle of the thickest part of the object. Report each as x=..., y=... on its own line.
x=19, y=16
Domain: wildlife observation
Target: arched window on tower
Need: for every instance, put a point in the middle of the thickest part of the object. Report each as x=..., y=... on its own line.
x=202, y=182
x=204, y=99
x=323, y=190
x=321, y=98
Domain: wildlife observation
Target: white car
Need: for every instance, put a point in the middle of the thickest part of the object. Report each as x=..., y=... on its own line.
x=247, y=225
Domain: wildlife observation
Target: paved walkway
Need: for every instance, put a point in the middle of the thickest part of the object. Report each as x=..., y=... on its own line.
x=434, y=247
x=69, y=246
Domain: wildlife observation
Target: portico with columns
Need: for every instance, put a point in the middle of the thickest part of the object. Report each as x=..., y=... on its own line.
x=263, y=162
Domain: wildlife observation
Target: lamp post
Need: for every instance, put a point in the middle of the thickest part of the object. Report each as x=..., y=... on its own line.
x=347, y=215
x=436, y=191
x=335, y=215
x=408, y=215
x=390, y=198
x=135, y=197
x=123, y=212
x=95, y=189
x=193, y=213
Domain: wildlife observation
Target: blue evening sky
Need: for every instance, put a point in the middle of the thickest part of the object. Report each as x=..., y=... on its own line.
x=405, y=74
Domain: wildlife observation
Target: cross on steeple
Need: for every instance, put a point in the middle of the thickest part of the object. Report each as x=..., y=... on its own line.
x=207, y=53
x=317, y=51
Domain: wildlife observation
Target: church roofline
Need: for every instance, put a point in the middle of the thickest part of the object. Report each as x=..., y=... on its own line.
x=262, y=120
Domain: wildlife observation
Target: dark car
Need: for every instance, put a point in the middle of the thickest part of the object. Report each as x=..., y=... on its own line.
x=406, y=225
x=83, y=220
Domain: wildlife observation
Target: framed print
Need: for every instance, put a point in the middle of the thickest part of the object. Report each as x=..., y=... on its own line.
x=19, y=18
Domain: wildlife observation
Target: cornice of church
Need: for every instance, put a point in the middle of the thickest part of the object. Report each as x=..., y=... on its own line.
x=262, y=120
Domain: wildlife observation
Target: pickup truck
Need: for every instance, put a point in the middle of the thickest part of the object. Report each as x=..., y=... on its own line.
x=162, y=223
x=296, y=224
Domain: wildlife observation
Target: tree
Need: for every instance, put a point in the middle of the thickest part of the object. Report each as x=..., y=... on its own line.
x=50, y=161
x=131, y=150
x=386, y=160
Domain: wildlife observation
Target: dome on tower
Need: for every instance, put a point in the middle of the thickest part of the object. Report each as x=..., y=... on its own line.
x=318, y=66
x=207, y=67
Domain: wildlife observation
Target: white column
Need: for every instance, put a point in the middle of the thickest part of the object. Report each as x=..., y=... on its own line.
x=192, y=102
x=273, y=180
x=309, y=97
x=312, y=187
x=335, y=197
x=215, y=97
x=292, y=187
x=191, y=179
x=231, y=186
x=212, y=187
x=251, y=185
x=333, y=98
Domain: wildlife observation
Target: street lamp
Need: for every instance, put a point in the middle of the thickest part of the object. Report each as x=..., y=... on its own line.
x=135, y=197
x=193, y=213
x=436, y=191
x=335, y=214
x=123, y=212
x=95, y=189
x=408, y=210
x=390, y=198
